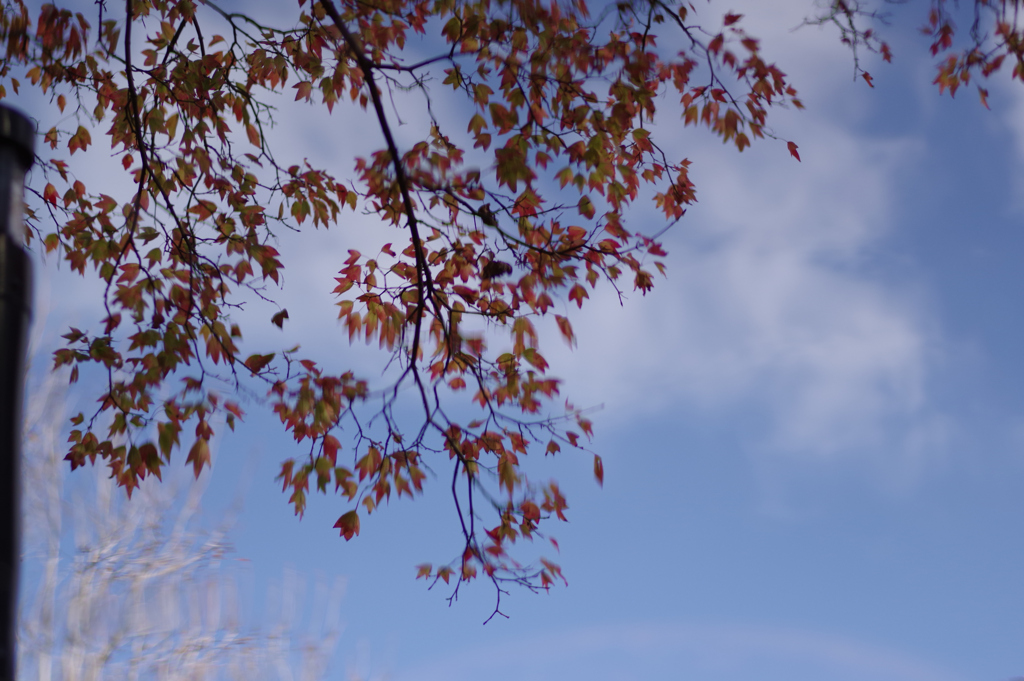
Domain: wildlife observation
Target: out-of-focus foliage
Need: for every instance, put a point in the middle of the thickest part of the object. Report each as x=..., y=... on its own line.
x=145, y=590
x=993, y=38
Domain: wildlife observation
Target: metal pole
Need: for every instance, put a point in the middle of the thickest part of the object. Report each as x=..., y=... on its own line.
x=17, y=138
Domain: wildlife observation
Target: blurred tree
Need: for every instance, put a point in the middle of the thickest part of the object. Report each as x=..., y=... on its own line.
x=145, y=589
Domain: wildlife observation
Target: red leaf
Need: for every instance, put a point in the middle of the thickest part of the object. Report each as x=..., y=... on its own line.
x=578, y=293
x=331, y=447
x=792, y=150
x=278, y=319
x=50, y=194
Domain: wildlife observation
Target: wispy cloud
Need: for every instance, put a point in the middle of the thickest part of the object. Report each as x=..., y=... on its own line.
x=777, y=307
x=683, y=650
x=1012, y=117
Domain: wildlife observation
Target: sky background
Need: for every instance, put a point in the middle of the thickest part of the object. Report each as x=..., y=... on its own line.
x=813, y=429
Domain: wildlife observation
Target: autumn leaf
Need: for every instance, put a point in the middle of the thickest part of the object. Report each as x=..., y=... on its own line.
x=578, y=293
x=586, y=207
x=256, y=363
x=444, y=573
x=348, y=524
x=80, y=140
x=793, y=150
x=331, y=447
x=304, y=90
x=565, y=327
x=199, y=455
x=254, y=134
x=278, y=318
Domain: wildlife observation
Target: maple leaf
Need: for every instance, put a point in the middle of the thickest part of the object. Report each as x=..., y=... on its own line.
x=199, y=455
x=348, y=524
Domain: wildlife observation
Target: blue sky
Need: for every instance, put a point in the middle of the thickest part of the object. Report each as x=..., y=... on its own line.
x=812, y=429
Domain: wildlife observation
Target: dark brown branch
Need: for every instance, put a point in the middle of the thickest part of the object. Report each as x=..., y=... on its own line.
x=424, y=280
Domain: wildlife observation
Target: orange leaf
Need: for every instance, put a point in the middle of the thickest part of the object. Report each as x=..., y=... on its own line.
x=203, y=209
x=199, y=455
x=255, y=363
x=349, y=525
x=566, y=328
x=304, y=89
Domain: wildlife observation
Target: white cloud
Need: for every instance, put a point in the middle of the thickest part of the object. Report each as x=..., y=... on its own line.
x=770, y=298
x=776, y=306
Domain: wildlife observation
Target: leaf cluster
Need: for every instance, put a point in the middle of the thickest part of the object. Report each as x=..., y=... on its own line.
x=507, y=216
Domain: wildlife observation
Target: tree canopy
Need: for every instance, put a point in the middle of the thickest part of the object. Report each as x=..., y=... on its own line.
x=508, y=211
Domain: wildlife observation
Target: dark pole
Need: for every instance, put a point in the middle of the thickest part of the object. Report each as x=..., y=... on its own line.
x=17, y=136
